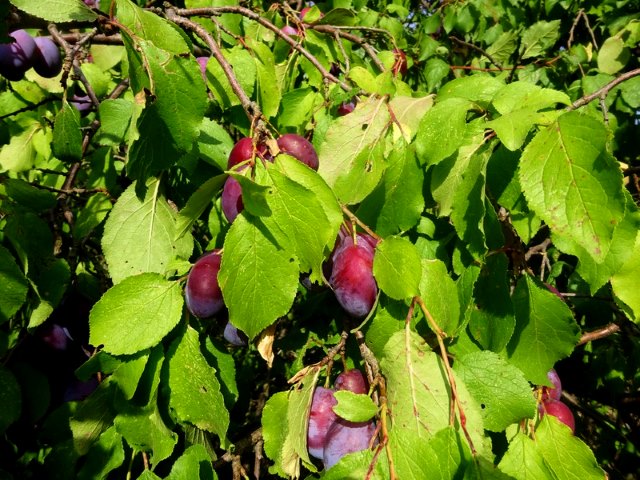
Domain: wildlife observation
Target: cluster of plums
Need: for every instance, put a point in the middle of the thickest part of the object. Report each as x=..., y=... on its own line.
x=25, y=52
x=550, y=403
x=244, y=154
x=329, y=436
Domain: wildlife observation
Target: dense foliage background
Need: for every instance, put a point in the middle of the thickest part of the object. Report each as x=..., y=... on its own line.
x=493, y=152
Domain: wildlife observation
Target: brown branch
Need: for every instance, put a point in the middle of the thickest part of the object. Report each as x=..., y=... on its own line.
x=337, y=31
x=251, y=109
x=604, y=91
x=599, y=333
x=239, y=447
x=246, y=12
x=361, y=224
x=476, y=48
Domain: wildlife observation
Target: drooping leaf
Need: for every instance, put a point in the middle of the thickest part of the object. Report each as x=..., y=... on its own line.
x=573, y=184
x=67, y=135
x=135, y=314
x=142, y=235
x=57, y=10
x=195, y=391
x=258, y=279
x=348, y=154
x=545, y=330
x=500, y=388
x=105, y=455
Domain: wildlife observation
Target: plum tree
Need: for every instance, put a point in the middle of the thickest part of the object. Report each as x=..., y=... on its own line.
x=321, y=418
x=300, y=148
x=202, y=291
x=352, y=380
x=17, y=57
x=47, y=61
x=346, y=437
x=352, y=276
x=559, y=410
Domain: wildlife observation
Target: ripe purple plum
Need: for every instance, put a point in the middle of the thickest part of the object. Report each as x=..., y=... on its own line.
x=202, y=292
x=552, y=393
x=351, y=380
x=321, y=418
x=56, y=336
x=17, y=57
x=346, y=437
x=231, y=200
x=244, y=150
x=352, y=278
x=81, y=102
x=559, y=410
x=346, y=108
x=234, y=336
x=299, y=148
x=47, y=61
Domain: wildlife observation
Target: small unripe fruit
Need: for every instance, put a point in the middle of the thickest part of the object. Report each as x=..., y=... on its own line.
x=47, y=61
x=202, y=292
x=299, y=148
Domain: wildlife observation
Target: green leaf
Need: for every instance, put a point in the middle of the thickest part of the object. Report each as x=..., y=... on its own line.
x=440, y=295
x=625, y=282
x=14, y=286
x=275, y=429
x=568, y=457
x=492, y=321
x=539, y=37
x=135, y=314
x=413, y=458
x=194, y=463
x=195, y=391
x=145, y=431
x=67, y=135
x=140, y=235
x=500, y=388
x=408, y=113
x=419, y=394
x=258, y=279
x=545, y=330
x=478, y=88
x=364, y=79
x=11, y=398
x=519, y=96
x=397, y=268
x=356, y=466
x=105, y=455
x=93, y=417
x=57, y=10
x=613, y=55
x=305, y=215
x=222, y=360
x=214, y=144
x=128, y=373
x=397, y=203
x=244, y=67
x=573, y=183
x=115, y=120
x=452, y=452
x=197, y=204
x=432, y=146
x=149, y=26
x=354, y=407
x=92, y=214
x=20, y=153
x=523, y=460
x=51, y=284
x=349, y=161
x=269, y=92
x=298, y=415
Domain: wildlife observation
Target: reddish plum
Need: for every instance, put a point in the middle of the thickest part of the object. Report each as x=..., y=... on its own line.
x=47, y=61
x=552, y=393
x=231, y=200
x=289, y=30
x=346, y=437
x=352, y=278
x=559, y=410
x=202, y=292
x=346, y=108
x=299, y=148
x=351, y=380
x=244, y=150
x=321, y=418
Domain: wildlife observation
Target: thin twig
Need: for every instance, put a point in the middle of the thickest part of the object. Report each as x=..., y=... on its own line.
x=600, y=333
x=362, y=225
x=603, y=90
x=478, y=49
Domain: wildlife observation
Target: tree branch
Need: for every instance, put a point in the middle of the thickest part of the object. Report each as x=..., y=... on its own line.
x=478, y=49
x=599, y=333
x=604, y=91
